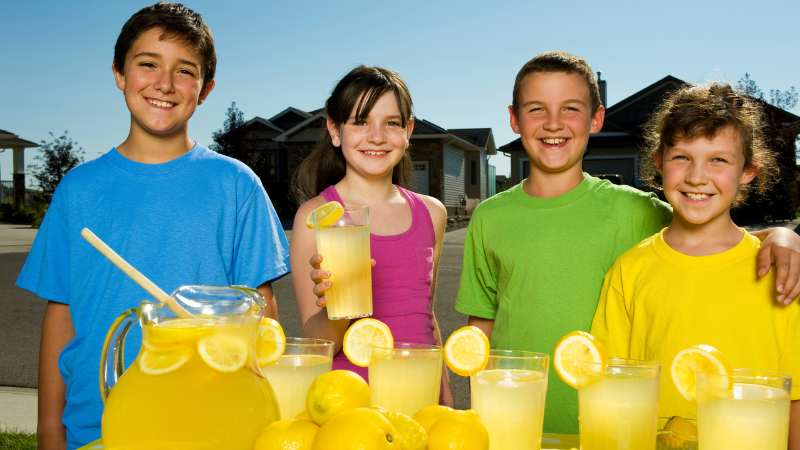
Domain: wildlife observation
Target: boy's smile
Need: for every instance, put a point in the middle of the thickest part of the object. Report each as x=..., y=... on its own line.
x=554, y=121
x=163, y=85
x=702, y=176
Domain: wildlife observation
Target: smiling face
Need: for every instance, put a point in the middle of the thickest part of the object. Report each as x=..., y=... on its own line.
x=702, y=176
x=374, y=145
x=162, y=82
x=555, y=120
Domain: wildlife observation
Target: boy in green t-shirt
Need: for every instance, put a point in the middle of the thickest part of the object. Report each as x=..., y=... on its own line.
x=535, y=255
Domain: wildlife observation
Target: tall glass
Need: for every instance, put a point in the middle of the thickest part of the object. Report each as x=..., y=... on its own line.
x=302, y=361
x=344, y=246
x=406, y=377
x=509, y=395
x=618, y=404
x=753, y=413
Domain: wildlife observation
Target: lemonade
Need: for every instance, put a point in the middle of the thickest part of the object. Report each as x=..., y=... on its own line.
x=192, y=386
x=510, y=404
x=749, y=416
x=303, y=361
x=618, y=404
x=345, y=252
x=406, y=378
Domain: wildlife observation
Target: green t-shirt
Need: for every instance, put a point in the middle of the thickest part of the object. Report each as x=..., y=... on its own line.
x=536, y=266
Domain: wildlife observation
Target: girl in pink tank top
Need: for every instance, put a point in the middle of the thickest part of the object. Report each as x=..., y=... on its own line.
x=363, y=161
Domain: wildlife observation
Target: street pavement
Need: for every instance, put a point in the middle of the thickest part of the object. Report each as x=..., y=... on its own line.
x=21, y=315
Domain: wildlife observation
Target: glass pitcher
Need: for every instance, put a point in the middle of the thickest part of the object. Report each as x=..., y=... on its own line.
x=196, y=383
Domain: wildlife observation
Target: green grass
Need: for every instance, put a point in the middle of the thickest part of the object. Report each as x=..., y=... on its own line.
x=14, y=439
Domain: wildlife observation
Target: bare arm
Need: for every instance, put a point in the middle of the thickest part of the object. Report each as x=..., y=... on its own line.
x=57, y=331
x=439, y=218
x=484, y=325
x=781, y=246
x=313, y=317
x=794, y=426
x=271, y=310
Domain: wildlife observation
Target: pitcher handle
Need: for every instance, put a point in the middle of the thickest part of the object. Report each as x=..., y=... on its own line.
x=115, y=342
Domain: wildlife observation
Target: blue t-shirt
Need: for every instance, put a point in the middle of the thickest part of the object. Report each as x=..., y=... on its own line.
x=202, y=218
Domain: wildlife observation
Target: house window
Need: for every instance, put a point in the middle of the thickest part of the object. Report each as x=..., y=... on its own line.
x=473, y=172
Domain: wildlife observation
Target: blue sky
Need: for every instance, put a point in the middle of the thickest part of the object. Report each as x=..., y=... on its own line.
x=458, y=58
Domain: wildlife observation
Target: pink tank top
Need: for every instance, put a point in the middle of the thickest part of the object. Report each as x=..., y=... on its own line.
x=401, y=279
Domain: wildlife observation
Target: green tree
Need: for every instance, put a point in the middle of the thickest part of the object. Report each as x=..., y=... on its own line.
x=785, y=100
x=57, y=157
x=232, y=141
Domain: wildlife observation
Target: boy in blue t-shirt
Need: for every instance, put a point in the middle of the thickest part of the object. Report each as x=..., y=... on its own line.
x=176, y=211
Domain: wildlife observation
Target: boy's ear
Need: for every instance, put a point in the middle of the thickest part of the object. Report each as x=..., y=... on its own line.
x=118, y=78
x=514, y=119
x=748, y=175
x=333, y=130
x=658, y=161
x=597, y=120
x=205, y=91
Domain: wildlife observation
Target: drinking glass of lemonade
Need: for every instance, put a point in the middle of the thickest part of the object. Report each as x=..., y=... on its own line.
x=344, y=246
x=303, y=360
x=406, y=377
x=509, y=395
x=618, y=404
x=749, y=410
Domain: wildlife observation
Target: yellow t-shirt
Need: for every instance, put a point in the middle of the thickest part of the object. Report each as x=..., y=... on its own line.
x=656, y=302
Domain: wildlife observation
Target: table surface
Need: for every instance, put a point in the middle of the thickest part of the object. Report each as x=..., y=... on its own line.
x=549, y=442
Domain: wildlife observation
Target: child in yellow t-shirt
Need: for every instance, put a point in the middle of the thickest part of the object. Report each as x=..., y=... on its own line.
x=695, y=281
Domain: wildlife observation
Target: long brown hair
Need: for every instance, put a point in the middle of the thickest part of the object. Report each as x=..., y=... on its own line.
x=358, y=90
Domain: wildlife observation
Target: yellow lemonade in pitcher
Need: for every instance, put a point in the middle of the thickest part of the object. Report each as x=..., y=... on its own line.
x=291, y=376
x=192, y=386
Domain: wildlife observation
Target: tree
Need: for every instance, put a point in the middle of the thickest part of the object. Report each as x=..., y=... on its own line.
x=58, y=157
x=232, y=141
x=782, y=99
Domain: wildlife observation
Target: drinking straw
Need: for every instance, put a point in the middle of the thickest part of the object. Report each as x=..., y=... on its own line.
x=148, y=285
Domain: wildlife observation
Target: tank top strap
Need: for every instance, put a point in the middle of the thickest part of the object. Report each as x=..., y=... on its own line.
x=420, y=216
x=330, y=195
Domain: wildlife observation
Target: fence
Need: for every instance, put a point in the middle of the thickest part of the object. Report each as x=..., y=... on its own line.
x=6, y=191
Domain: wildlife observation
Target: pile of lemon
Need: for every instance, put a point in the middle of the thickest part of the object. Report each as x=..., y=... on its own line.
x=338, y=417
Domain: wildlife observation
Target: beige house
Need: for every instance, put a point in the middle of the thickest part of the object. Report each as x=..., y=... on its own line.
x=14, y=189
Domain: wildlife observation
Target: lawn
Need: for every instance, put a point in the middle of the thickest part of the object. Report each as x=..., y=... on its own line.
x=13, y=439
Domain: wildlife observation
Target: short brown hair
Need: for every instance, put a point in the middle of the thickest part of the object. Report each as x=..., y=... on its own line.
x=356, y=93
x=175, y=22
x=708, y=110
x=553, y=62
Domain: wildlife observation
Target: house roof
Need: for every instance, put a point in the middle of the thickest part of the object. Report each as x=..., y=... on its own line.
x=11, y=140
x=667, y=82
x=256, y=121
x=481, y=137
x=315, y=121
x=792, y=128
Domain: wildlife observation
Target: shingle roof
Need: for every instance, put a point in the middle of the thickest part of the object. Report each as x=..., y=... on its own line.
x=422, y=127
x=477, y=136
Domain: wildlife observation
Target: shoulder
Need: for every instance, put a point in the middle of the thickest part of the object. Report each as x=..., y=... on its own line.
x=210, y=161
x=501, y=201
x=628, y=198
x=643, y=249
x=306, y=208
x=435, y=207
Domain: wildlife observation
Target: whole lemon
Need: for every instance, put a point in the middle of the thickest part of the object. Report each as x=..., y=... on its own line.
x=303, y=415
x=429, y=415
x=459, y=430
x=285, y=434
x=357, y=429
x=676, y=431
x=411, y=433
x=334, y=392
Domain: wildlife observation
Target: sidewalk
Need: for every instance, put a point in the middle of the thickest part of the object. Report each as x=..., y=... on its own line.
x=16, y=238
x=18, y=408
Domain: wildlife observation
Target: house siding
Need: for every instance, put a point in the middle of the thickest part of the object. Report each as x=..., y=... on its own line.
x=484, y=177
x=453, y=177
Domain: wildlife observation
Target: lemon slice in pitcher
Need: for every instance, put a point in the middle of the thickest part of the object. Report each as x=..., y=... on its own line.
x=327, y=214
x=223, y=353
x=462, y=349
x=574, y=347
x=361, y=335
x=159, y=363
x=700, y=358
x=271, y=342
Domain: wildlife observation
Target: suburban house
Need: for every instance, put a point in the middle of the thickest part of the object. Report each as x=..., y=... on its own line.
x=451, y=165
x=616, y=148
x=14, y=189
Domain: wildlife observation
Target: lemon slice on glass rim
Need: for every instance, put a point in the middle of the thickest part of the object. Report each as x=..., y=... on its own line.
x=574, y=347
x=327, y=214
x=271, y=342
x=467, y=351
x=360, y=337
x=700, y=358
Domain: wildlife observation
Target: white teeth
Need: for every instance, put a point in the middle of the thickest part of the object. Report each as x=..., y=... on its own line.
x=162, y=104
x=375, y=153
x=697, y=196
x=554, y=141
